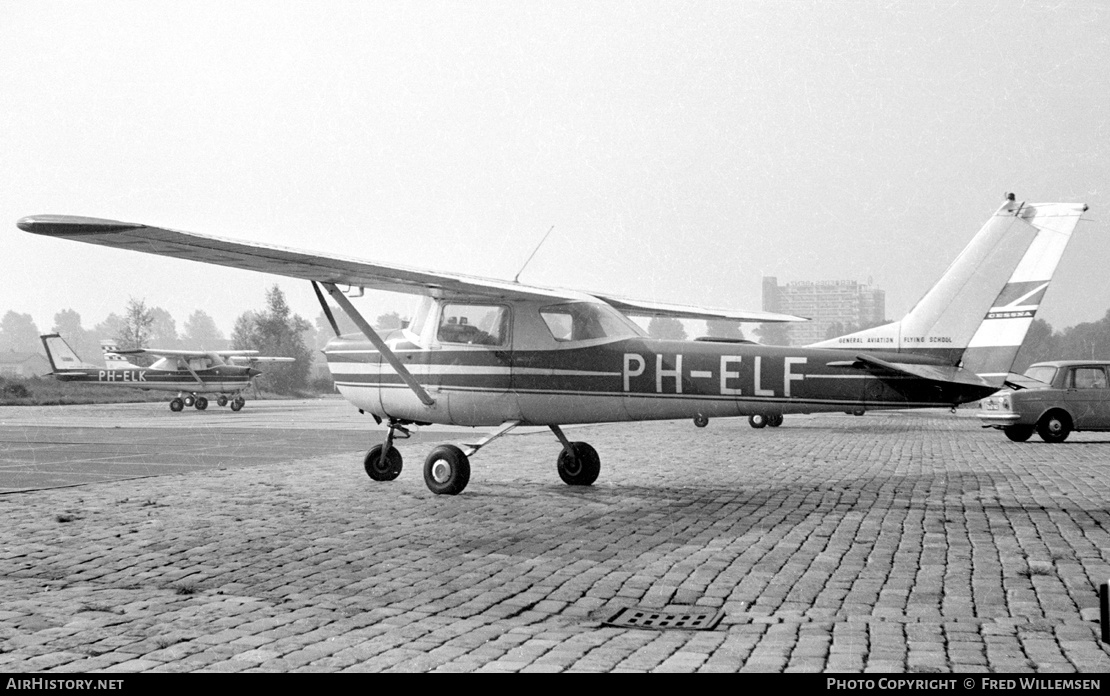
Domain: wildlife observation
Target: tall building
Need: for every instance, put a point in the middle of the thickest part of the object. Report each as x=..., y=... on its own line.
x=851, y=304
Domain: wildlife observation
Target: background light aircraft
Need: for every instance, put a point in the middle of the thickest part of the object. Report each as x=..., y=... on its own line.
x=482, y=352
x=190, y=373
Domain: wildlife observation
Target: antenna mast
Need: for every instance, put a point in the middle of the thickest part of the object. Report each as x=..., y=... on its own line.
x=516, y=278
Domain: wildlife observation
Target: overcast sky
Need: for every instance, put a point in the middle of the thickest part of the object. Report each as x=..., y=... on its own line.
x=680, y=150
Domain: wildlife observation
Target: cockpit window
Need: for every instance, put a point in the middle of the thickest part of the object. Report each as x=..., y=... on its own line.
x=1041, y=373
x=583, y=321
x=486, y=325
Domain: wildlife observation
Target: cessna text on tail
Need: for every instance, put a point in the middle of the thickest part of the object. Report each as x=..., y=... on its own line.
x=482, y=352
x=189, y=373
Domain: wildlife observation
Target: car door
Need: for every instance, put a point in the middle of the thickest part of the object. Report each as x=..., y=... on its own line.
x=1087, y=397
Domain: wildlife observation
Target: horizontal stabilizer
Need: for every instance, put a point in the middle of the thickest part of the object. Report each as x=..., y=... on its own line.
x=936, y=373
x=1016, y=381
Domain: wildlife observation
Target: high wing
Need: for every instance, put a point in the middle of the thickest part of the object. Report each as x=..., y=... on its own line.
x=188, y=354
x=335, y=269
x=253, y=359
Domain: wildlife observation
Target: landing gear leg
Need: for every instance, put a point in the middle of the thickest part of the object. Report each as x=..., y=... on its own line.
x=578, y=463
x=383, y=462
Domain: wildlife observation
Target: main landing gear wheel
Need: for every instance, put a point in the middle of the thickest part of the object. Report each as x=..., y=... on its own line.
x=1018, y=433
x=701, y=421
x=176, y=405
x=201, y=403
x=757, y=420
x=583, y=468
x=237, y=403
x=379, y=469
x=1054, y=427
x=221, y=401
x=190, y=400
x=447, y=470
x=775, y=420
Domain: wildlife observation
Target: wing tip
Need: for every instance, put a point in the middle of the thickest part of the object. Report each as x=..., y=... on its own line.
x=68, y=225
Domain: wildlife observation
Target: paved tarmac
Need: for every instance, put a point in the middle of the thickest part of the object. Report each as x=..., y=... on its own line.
x=897, y=543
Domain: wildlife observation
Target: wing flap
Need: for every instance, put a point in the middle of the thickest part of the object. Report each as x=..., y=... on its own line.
x=638, y=308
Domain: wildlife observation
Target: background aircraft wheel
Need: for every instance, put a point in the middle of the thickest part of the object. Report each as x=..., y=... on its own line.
x=237, y=403
x=1054, y=426
x=701, y=421
x=380, y=470
x=446, y=470
x=1018, y=433
x=221, y=400
x=757, y=420
x=201, y=403
x=190, y=400
x=775, y=420
x=583, y=468
x=176, y=405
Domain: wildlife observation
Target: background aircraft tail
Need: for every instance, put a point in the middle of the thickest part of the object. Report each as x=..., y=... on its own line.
x=978, y=313
x=61, y=356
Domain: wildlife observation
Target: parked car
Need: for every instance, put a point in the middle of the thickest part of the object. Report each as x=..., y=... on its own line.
x=1052, y=399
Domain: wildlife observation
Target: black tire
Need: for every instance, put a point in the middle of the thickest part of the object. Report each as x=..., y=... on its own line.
x=1018, y=433
x=446, y=470
x=701, y=421
x=221, y=401
x=201, y=403
x=583, y=468
x=1054, y=426
x=775, y=420
x=177, y=405
x=757, y=420
x=190, y=400
x=237, y=403
x=382, y=470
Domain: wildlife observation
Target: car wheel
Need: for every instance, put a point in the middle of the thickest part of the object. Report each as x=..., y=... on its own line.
x=1054, y=426
x=1018, y=433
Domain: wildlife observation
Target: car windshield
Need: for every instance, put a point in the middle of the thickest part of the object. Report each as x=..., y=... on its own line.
x=1041, y=373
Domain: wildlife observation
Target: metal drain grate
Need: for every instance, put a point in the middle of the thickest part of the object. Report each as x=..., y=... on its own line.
x=648, y=618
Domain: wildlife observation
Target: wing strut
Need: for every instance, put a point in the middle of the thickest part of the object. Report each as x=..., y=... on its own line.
x=388, y=354
x=327, y=309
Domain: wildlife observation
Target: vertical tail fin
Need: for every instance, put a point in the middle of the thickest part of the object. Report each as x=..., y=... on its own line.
x=61, y=356
x=992, y=349
x=982, y=307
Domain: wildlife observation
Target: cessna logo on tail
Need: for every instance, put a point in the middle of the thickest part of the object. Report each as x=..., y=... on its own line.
x=1018, y=300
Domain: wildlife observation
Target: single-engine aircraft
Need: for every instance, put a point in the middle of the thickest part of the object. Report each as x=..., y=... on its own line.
x=190, y=373
x=481, y=352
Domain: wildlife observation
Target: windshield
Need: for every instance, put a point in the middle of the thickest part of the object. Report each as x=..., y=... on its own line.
x=1041, y=373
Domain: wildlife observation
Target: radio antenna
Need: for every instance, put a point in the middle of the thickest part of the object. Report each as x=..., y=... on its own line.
x=516, y=278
